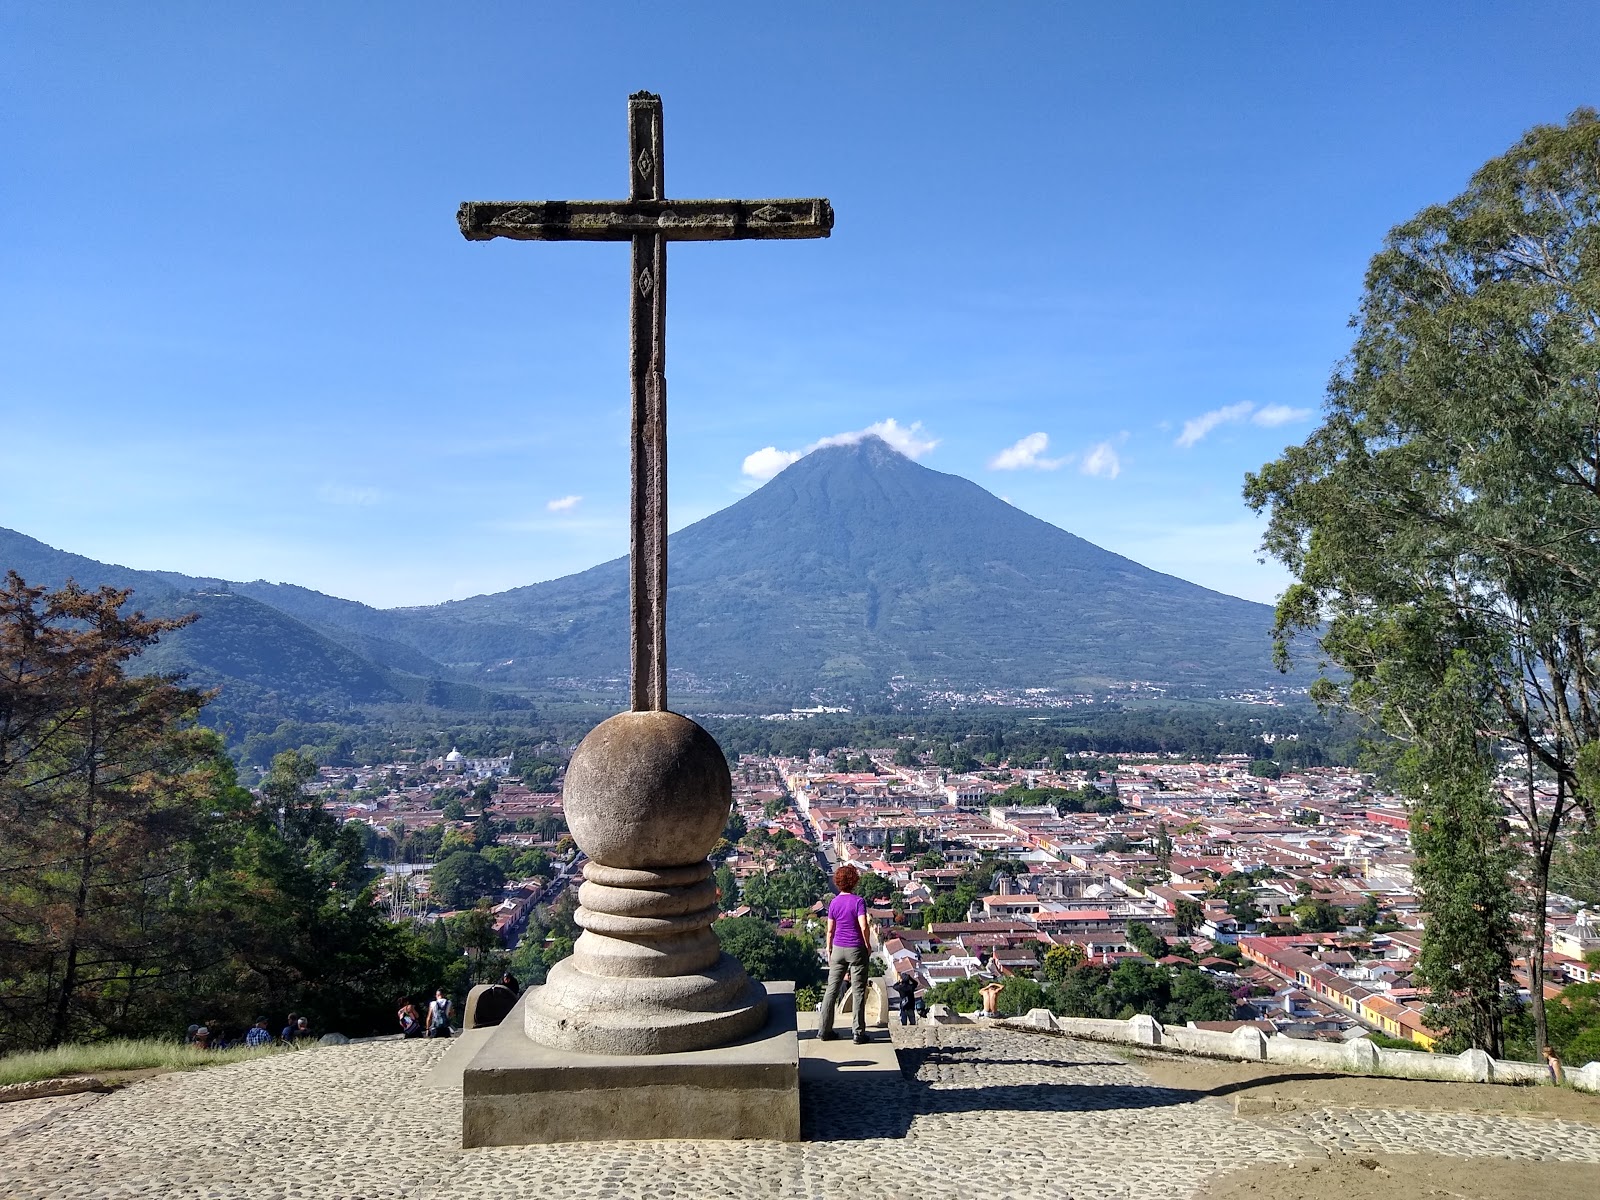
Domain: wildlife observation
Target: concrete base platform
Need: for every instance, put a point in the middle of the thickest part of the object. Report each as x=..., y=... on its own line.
x=516, y=1092
x=821, y=1060
x=446, y=1073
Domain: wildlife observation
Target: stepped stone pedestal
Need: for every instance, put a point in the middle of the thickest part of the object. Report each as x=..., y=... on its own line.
x=516, y=1092
x=648, y=1030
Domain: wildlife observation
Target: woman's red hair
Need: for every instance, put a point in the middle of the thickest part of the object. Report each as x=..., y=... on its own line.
x=846, y=877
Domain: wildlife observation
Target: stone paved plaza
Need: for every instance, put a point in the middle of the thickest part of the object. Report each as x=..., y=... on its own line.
x=988, y=1112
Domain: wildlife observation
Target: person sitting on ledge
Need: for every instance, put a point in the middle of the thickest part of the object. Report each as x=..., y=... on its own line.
x=845, y=942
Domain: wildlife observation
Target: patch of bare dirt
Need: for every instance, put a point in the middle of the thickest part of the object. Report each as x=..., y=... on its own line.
x=1264, y=1088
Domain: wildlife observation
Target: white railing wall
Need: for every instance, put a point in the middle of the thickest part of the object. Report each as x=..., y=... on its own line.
x=1360, y=1056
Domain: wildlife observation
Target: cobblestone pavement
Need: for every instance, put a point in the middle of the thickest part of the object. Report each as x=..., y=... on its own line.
x=1467, y=1135
x=986, y=1111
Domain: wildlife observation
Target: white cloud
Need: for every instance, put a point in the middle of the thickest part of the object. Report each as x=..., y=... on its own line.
x=1268, y=415
x=364, y=497
x=1198, y=427
x=1272, y=415
x=564, y=504
x=768, y=461
x=1026, y=454
x=1102, y=462
x=911, y=440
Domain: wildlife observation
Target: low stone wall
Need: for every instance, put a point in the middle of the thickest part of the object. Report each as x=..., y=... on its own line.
x=38, y=1089
x=1359, y=1057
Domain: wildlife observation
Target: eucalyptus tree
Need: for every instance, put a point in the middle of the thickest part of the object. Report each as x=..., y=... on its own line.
x=1441, y=523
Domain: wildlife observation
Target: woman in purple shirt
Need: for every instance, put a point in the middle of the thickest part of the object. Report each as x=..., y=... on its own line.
x=846, y=943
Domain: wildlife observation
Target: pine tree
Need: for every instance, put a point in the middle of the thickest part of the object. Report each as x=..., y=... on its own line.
x=103, y=783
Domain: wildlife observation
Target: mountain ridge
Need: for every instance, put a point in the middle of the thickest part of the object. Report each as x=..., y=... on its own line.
x=850, y=568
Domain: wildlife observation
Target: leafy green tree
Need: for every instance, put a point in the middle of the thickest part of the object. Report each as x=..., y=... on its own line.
x=503, y=857
x=962, y=995
x=1447, y=502
x=1083, y=993
x=1265, y=768
x=464, y=878
x=873, y=887
x=727, y=887
x=1189, y=915
x=454, y=810
x=1061, y=961
x=950, y=908
x=1242, y=907
x=767, y=955
x=1574, y=1018
x=527, y=960
x=546, y=826
x=474, y=934
x=561, y=918
x=1146, y=941
x=1196, y=998
x=1319, y=916
x=1137, y=987
x=540, y=776
x=1018, y=996
x=1463, y=863
x=1575, y=868
x=292, y=922
x=531, y=863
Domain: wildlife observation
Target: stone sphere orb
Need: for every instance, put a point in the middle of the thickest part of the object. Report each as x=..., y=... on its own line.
x=647, y=789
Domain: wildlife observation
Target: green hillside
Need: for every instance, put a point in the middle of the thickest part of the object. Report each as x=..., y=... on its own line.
x=266, y=664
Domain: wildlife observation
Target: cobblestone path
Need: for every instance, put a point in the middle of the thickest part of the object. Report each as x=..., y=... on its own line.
x=1468, y=1135
x=987, y=1112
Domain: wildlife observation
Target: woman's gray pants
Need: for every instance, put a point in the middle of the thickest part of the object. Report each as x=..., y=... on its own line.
x=855, y=959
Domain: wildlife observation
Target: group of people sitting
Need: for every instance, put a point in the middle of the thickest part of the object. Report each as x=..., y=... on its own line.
x=212, y=1035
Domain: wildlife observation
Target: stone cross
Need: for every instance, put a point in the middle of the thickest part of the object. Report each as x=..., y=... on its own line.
x=649, y=220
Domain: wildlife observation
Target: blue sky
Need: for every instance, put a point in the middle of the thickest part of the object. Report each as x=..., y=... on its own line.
x=1099, y=259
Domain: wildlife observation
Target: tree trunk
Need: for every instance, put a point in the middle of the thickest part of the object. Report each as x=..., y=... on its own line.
x=62, y=1015
x=1544, y=851
x=1541, y=891
x=69, y=974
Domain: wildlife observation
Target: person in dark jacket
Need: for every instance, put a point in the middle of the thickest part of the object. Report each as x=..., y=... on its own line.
x=906, y=988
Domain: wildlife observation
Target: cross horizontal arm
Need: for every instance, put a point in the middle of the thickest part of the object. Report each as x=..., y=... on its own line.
x=619, y=220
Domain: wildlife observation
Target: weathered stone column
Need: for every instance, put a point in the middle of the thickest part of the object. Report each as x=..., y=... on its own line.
x=647, y=795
